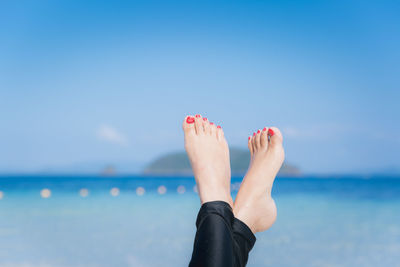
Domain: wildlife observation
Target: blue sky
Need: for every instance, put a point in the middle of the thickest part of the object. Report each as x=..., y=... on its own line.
x=92, y=81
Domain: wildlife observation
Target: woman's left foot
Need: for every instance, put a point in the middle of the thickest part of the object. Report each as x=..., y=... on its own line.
x=254, y=205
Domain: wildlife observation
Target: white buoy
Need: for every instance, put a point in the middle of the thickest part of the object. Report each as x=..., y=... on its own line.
x=84, y=192
x=45, y=193
x=140, y=191
x=181, y=189
x=1, y=194
x=114, y=191
x=162, y=190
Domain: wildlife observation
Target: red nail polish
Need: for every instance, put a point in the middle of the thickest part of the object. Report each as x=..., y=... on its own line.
x=211, y=123
x=219, y=127
x=204, y=119
x=254, y=134
x=258, y=131
x=197, y=116
x=249, y=137
x=264, y=129
x=271, y=132
x=190, y=120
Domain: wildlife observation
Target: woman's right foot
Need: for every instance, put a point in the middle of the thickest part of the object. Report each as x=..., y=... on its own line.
x=208, y=153
x=254, y=205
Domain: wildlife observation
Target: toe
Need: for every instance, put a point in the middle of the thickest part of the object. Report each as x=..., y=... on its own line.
x=206, y=125
x=188, y=125
x=253, y=142
x=213, y=129
x=220, y=133
x=275, y=136
x=250, y=145
x=257, y=139
x=198, y=122
x=264, y=137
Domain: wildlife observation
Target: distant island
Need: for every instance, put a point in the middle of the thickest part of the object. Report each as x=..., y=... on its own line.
x=177, y=163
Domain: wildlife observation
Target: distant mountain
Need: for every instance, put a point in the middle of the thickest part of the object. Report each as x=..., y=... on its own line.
x=172, y=164
x=178, y=164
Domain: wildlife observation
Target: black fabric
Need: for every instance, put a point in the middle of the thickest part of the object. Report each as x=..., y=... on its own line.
x=221, y=239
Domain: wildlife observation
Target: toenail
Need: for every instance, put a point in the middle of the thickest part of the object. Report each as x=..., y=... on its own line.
x=264, y=129
x=271, y=132
x=254, y=134
x=249, y=137
x=190, y=120
x=211, y=123
x=197, y=116
x=258, y=131
x=204, y=119
x=219, y=127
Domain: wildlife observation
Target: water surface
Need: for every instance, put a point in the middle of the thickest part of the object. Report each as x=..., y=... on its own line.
x=321, y=222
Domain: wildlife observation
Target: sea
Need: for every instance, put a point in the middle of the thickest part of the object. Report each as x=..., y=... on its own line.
x=91, y=221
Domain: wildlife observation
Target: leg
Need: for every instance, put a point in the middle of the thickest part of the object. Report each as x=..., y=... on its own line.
x=244, y=241
x=213, y=244
x=221, y=239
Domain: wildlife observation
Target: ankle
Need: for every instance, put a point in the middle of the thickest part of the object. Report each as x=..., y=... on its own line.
x=220, y=195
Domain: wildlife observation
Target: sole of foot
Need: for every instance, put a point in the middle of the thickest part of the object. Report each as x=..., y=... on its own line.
x=208, y=154
x=254, y=204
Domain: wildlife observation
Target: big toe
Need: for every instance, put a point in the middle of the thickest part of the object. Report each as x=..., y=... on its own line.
x=188, y=125
x=275, y=137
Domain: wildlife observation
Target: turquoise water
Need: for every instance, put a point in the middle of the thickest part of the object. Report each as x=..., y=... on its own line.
x=321, y=222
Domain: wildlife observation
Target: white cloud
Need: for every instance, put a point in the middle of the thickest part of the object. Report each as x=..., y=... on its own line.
x=111, y=135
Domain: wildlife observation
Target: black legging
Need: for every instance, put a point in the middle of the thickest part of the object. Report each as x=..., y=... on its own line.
x=221, y=239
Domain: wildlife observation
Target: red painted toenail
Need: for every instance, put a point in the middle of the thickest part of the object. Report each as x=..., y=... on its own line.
x=254, y=134
x=190, y=120
x=264, y=129
x=249, y=137
x=197, y=116
x=271, y=132
x=219, y=127
x=258, y=131
x=211, y=123
x=204, y=119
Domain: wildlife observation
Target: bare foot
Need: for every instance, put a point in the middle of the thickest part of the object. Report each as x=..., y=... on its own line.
x=208, y=153
x=254, y=205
